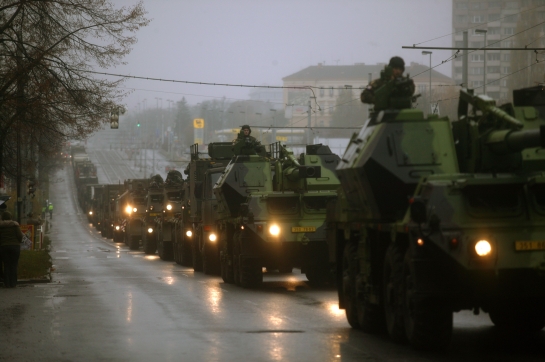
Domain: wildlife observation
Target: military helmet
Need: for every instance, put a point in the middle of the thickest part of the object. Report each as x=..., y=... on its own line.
x=397, y=62
x=246, y=127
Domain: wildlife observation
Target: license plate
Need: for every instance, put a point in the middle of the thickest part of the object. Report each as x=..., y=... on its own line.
x=303, y=229
x=529, y=245
x=154, y=213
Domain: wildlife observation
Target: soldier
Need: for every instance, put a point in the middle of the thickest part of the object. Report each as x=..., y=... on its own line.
x=396, y=68
x=50, y=209
x=245, y=144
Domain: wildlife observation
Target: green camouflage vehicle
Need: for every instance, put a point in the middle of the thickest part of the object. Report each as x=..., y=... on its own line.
x=171, y=216
x=189, y=232
x=106, y=209
x=271, y=213
x=131, y=211
x=153, y=213
x=435, y=217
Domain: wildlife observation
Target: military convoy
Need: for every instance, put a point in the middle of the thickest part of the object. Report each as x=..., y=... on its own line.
x=421, y=217
x=435, y=217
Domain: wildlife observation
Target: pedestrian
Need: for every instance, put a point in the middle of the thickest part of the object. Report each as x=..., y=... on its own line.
x=50, y=208
x=44, y=209
x=10, y=248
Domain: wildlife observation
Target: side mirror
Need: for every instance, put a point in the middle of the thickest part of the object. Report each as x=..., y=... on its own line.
x=418, y=211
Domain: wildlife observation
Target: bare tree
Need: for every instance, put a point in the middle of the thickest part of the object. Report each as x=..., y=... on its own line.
x=49, y=50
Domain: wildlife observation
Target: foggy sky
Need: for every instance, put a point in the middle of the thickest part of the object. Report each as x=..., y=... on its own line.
x=258, y=42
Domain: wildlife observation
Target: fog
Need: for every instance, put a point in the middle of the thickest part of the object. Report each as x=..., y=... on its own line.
x=253, y=42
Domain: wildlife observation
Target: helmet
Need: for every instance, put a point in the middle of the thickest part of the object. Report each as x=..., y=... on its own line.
x=246, y=127
x=397, y=62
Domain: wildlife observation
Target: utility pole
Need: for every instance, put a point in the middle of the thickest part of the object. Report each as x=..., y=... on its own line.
x=309, y=120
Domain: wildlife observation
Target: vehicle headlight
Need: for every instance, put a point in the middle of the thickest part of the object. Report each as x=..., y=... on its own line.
x=134, y=209
x=90, y=213
x=274, y=230
x=212, y=237
x=128, y=209
x=150, y=230
x=117, y=227
x=189, y=233
x=483, y=248
x=169, y=207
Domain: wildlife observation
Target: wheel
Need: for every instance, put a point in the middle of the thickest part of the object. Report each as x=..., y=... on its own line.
x=187, y=253
x=149, y=244
x=236, y=258
x=392, y=292
x=349, y=284
x=428, y=326
x=134, y=243
x=318, y=275
x=226, y=258
x=165, y=250
x=210, y=259
x=251, y=275
x=196, y=253
x=525, y=317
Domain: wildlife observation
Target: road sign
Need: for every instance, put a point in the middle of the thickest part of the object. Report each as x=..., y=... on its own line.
x=198, y=123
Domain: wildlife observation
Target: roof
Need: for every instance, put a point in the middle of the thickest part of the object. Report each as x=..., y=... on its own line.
x=360, y=72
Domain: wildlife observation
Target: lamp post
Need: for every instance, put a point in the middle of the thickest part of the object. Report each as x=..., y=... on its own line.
x=274, y=124
x=425, y=52
x=483, y=31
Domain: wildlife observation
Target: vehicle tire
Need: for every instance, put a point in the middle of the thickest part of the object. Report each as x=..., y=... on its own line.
x=428, y=325
x=186, y=253
x=226, y=258
x=196, y=253
x=210, y=260
x=134, y=242
x=149, y=244
x=318, y=275
x=236, y=257
x=165, y=250
x=392, y=293
x=285, y=269
x=360, y=313
x=524, y=317
x=251, y=274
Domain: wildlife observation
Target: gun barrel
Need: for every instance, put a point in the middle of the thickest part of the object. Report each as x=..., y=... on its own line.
x=508, y=141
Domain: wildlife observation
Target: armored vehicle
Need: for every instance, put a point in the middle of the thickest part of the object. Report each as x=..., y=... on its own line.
x=131, y=210
x=171, y=215
x=433, y=218
x=153, y=213
x=106, y=208
x=189, y=233
x=271, y=213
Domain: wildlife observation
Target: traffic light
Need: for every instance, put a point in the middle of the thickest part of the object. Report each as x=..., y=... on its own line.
x=138, y=125
x=114, y=119
x=31, y=187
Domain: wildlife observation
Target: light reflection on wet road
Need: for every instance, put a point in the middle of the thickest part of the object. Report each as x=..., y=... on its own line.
x=107, y=302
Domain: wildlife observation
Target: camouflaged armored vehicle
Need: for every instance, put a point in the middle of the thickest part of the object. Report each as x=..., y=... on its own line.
x=131, y=210
x=435, y=217
x=271, y=213
x=172, y=212
x=188, y=242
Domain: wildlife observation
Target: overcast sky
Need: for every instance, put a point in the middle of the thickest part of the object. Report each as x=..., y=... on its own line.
x=258, y=42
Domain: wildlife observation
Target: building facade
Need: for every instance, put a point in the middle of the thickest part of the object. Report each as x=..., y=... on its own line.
x=502, y=24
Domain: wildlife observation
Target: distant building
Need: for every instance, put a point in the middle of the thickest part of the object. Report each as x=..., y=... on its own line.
x=274, y=96
x=503, y=21
x=328, y=81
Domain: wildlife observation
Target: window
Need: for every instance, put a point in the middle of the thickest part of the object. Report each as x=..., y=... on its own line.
x=493, y=17
x=508, y=31
x=477, y=44
x=492, y=56
x=477, y=57
x=474, y=32
x=458, y=70
x=495, y=83
x=322, y=91
x=461, y=5
x=422, y=88
x=494, y=4
x=511, y=18
x=477, y=19
x=476, y=6
x=492, y=69
x=506, y=70
x=478, y=70
x=459, y=44
x=461, y=19
x=506, y=44
x=507, y=57
x=504, y=83
x=493, y=31
x=331, y=91
x=477, y=83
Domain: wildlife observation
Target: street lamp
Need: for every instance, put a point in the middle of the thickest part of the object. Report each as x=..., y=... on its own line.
x=425, y=52
x=483, y=31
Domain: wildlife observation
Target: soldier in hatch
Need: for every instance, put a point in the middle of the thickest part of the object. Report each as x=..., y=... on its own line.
x=393, y=72
x=245, y=144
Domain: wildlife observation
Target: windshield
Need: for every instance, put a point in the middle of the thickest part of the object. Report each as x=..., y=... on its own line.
x=283, y=205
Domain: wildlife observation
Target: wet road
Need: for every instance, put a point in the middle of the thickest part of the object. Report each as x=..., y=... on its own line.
x=109, y=303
